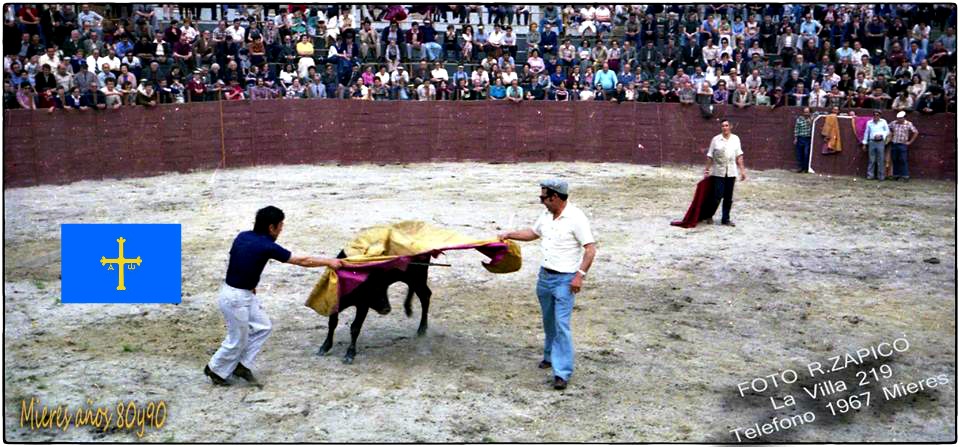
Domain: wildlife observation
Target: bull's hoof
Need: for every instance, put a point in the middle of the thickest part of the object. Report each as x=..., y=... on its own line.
x=348, y=360
x=323, y=351
x=422, y=331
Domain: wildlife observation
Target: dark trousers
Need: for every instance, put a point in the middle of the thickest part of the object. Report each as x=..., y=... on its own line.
x=803, y=153
x=723, y=190
x=899, y=153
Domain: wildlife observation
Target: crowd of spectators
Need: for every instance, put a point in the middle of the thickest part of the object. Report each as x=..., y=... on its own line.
x=900, y=56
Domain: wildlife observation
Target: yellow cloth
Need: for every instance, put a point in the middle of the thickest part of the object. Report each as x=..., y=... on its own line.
x=387, y=242
x=831, y=134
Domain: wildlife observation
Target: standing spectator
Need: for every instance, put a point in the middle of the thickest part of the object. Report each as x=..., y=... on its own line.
x=724, y=163
x=875, y=136
x=904, y=134
x=802, y=130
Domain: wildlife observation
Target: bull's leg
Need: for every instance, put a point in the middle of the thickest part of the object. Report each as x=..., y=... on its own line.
x=354, y=333
x=328, y=343
x=424, y=294
x=406, y=303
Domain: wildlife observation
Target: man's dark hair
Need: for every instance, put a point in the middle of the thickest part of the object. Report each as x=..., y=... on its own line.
x=270, y=215
x=551, y=192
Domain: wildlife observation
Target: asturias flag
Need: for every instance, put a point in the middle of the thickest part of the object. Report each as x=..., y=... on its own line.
x=120, y=263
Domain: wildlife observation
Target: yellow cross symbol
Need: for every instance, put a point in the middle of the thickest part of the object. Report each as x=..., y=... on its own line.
x=120, y=261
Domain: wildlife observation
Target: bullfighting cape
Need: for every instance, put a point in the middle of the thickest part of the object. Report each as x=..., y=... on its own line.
x=395, y=246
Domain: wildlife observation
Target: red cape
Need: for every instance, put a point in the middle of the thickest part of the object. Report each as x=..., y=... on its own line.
x=701, y=208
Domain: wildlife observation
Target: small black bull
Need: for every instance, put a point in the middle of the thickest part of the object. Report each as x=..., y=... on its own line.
x=372, y=294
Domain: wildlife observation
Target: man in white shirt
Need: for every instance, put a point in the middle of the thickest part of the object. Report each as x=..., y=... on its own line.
x=237, y=32
x=875, y=137
x=818, y=97
x=568, y=251
x=439, y=73
x=858, y=53
x=51, y=57
x=724, y=162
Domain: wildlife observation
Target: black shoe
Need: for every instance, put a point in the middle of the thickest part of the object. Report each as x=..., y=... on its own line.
x=217, y=380
x=559, y=384
x=544, y=364
x=728, y=223
x=708, y=221
x=244, y=373
x=801, y=171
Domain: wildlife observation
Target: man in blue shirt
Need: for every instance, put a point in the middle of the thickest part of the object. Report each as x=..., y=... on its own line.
x=875, y=137
x=247, y=324
x=606, y=79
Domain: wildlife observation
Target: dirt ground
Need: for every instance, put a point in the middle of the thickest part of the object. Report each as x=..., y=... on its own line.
x=669, y=321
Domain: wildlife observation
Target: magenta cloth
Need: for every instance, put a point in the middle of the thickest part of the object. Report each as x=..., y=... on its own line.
x=860, y=125
x=349, y=278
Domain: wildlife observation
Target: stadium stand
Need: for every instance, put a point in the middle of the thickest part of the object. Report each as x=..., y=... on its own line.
x=111, y=56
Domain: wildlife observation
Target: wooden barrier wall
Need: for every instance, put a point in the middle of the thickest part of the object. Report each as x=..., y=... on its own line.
x=43, y=148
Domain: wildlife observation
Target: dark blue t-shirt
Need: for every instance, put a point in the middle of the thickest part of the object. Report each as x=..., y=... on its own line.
x=248, y=255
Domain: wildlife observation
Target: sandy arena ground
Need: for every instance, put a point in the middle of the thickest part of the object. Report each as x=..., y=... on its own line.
x=670, y=320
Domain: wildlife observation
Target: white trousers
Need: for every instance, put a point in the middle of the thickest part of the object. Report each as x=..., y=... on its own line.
x=247, y=330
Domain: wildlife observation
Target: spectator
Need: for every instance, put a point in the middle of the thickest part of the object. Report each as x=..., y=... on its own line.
x=112, y=96
x=904, y=134
x=932, y=102
x=802, y=130
x=875, y=135
x=741, y=97
x=606, y=79
x=686, y=93
x=427, y=92
x=548, y=40
x=148, y=97
x=497, y=91
x=760, y=98
x=514, y=93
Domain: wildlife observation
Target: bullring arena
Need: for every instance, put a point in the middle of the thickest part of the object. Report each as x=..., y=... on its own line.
x=670, y=324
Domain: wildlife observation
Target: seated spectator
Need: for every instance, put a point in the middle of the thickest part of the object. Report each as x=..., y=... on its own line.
x=514, y=92
x=932, y=102
x=296, y=90
x=75, y=100
x=112, y=95
x=536, y=62
x=721, y=95
x=27, y=97
x=426, y=91
x=561, y=93
x=148, y=97
x=497, y=90
x=741, y=97
x=760, y=97
x=704, y=94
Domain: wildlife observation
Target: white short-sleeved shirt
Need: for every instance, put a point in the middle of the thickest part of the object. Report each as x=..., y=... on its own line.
x=562, y=239
x=724, y=152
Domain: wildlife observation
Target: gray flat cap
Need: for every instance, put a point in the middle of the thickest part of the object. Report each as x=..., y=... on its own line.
x=555, y=184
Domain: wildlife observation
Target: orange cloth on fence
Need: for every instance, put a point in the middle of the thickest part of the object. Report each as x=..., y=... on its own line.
x=831, y=134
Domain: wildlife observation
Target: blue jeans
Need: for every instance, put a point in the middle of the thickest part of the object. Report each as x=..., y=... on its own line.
x=875, y=164
x=899, y=154
x=433, y=50
x=556, y=306
x=803, y=152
